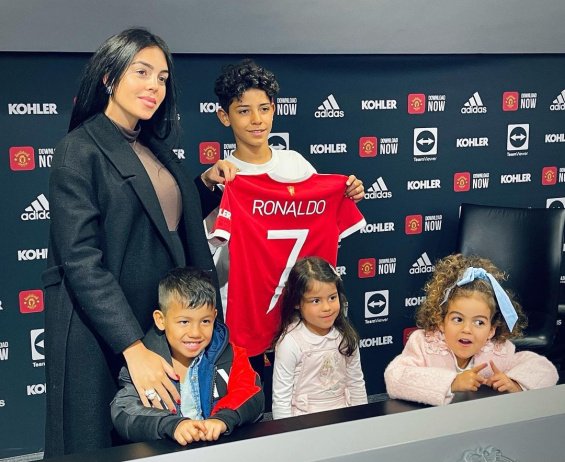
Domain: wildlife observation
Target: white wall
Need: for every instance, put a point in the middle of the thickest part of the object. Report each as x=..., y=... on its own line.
x=291, y=26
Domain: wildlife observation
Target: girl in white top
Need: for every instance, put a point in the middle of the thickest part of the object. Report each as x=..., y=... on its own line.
x=317, y=363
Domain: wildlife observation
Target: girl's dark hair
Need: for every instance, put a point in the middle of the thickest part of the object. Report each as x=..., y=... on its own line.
x=108, y=64
x=236, y=79
x=301, y=276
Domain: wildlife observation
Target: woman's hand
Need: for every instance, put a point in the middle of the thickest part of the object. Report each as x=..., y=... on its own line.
x=149, y=371
x=354, y=188
x=221, y=172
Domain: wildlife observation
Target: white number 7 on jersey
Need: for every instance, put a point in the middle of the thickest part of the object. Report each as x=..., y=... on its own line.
x=300, y=235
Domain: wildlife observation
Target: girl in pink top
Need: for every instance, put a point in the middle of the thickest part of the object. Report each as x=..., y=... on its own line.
x=466, y=322
x=317, y=364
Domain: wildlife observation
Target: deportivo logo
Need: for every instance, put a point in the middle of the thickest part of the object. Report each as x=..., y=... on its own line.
x=417, y=103
x=31, y=301
x=510, y=101
x=368, y=146
x=209, y=152
x=461, y=181
x=549, y=176
x=413, y=224
x=22, y=158
x=367, y=268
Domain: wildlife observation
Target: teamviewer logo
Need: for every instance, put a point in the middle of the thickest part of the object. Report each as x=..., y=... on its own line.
x=425, y=141
x=518, y=137
x=555, y=203
x=376, y=304
x=37, y=344
x=279, y=140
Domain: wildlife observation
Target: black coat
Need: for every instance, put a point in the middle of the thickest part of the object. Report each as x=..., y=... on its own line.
x=109, y=246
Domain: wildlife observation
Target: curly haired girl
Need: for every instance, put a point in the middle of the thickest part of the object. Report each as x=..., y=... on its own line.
x=463, y=342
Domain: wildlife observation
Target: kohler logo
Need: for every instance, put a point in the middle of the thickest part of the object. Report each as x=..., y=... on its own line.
x=32, y=108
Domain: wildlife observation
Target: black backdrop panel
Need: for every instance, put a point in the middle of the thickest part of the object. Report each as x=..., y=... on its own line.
x=424, y=133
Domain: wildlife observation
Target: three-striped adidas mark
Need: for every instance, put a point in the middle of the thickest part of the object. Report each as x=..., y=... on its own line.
x=37, y=210
x=558, y=103
x=422, y=265
x=378, y=190
x=329, y=108
x=474, y=105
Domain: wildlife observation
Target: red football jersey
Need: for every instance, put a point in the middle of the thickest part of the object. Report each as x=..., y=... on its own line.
x=269, y=224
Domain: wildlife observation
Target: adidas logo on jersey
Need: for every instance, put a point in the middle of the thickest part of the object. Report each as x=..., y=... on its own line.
x=422, y=265
x=37, y=210
x=378, y=190
x=329, y=108
x=474, y=105
x=559, y=102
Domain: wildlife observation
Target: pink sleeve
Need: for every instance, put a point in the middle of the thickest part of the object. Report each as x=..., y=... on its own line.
x=532, y=370
x=409, y=376
x=355, y=379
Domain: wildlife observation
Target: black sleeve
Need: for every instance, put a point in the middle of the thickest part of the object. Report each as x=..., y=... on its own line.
x=209, y=200
x=133, y=421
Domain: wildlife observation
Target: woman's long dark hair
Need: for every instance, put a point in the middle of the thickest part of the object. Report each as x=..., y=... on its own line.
x=301, y=276
x=105, y=69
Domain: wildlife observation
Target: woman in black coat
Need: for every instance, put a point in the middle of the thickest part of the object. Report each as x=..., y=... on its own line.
x=122, y=214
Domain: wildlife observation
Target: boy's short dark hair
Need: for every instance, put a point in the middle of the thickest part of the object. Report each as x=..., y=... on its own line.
x=191, y=286
x=236, y=79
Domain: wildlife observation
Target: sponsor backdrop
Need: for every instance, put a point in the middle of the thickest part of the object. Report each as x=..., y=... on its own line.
x=424, y=133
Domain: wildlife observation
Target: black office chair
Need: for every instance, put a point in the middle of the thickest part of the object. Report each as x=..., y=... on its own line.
x=527, y=245
x=557, y=352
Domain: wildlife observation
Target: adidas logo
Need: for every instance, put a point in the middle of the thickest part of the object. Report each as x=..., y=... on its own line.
x=329, y=108
x=378, y=190
x=37, y=210
x=474, y=105
x=559, y=102
x=422, y=265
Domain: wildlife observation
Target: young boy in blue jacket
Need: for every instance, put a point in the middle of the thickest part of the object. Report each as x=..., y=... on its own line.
x=219, y=389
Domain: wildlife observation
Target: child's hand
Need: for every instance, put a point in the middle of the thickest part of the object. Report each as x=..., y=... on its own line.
x=190, y=430
x=469, y=380
x=214, y=428
x=223, y=171
x=501, y=382
x=354, y=188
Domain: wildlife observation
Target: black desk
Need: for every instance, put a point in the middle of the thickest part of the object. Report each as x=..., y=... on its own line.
x=384, y=428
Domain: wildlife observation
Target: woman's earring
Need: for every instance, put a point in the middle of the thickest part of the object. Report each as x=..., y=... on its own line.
x=108, y=89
